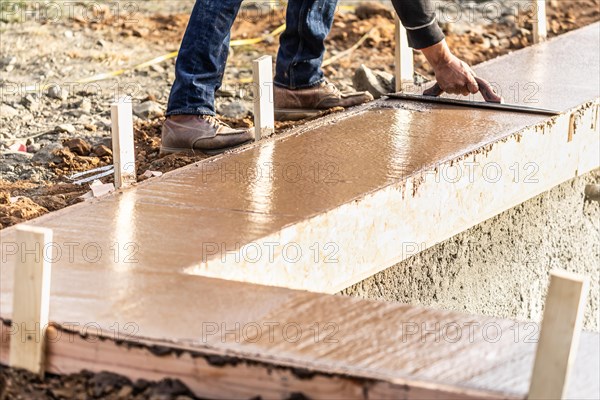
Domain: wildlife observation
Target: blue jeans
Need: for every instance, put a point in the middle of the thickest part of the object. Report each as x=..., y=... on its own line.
x=203, y=53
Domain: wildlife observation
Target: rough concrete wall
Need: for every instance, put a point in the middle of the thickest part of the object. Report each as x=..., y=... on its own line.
x=501, y=267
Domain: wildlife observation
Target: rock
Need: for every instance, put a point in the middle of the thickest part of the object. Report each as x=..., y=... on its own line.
x=225, y=93
x=68, y=34
x=370, y=9
x=592, y=192
x=7, y=111
x=100, y=189
x=31, y=102
x=107, y=141
x=57, y=92
x=8, y=63
x=84, y=105
x=34, y=148
x=169, y=388
x=68, y=128
x=157, y=68
x=377, y=83
x=78, y=146
x=8, y=60
x=125, y=392
x=104, y=383
x=47, y=154
x=102, y=151
x=235, y=109
x=31, y=175
x=140, y=385
x=141, y=32
x=148, y=110
x=494, y=42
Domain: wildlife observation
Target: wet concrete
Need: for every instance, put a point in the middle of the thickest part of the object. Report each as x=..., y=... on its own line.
x=240, y=198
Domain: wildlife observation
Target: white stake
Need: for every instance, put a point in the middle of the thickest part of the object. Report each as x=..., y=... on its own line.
x=264, y=113
x=122, y=141
x=31, y=299
x=540, y=30
x=403, y=57
x=559, y=335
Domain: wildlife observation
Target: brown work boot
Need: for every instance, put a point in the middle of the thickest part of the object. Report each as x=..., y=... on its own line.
x=200, y=133
x=291, y=105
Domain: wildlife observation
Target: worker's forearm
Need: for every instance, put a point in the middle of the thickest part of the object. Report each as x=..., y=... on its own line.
x=437, y=55
x=418, y=17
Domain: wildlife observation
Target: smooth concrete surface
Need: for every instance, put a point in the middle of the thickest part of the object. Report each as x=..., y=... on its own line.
x=501, y=266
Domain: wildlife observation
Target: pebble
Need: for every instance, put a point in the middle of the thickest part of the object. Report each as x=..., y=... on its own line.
x=57, y=92
x=377, y=83
x=234, y=109
x=84, y=105
x=102, y=151
x=148, y=110
x=78, y=146
x=31, y=102
x=7, y=111
x=8, y=60
x=68, y=128
x=46, y=154
x=34, y=148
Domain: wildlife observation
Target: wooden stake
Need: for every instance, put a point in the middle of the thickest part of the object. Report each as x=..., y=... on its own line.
x=403, y=57
x=559, y=335
x=540, y=32
x=122, y=140
x=264, y=119
x=31, y=298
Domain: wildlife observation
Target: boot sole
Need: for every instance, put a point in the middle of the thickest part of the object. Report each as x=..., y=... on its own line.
x=296, y=114
x=165, y=151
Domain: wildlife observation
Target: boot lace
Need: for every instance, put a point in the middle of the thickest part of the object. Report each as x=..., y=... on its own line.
x=214, y=121
x=333, y=89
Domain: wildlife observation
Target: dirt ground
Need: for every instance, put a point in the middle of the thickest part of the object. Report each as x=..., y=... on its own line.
x=17, y=384
x=55, y=137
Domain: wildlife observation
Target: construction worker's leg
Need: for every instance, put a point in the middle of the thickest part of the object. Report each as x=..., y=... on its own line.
x=202, y=57
x=302, y=44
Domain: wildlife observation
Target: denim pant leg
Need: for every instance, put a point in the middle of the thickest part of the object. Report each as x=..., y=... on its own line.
x=202, y=57
x=302, y=44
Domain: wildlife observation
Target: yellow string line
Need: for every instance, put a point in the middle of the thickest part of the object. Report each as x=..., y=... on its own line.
x=349, y=50
x=173, y=54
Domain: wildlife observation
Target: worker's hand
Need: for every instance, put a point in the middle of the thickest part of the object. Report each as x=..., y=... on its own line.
x=453, y=75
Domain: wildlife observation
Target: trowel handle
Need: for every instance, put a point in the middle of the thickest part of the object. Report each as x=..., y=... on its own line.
x=485, y=89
